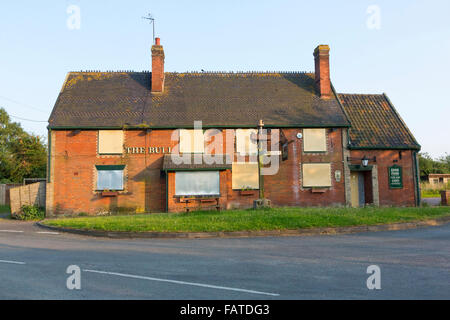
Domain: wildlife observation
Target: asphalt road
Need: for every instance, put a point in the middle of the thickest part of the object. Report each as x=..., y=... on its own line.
x=415, y=264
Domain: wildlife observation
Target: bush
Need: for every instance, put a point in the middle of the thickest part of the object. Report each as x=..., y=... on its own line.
x=30, y=213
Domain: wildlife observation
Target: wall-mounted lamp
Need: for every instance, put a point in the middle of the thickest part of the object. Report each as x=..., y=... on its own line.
x=364, y=160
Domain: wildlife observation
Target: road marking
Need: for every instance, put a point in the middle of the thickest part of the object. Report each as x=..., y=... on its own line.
x=12, y=262
x=46, y=232
x=12, y=231
x=182, y=282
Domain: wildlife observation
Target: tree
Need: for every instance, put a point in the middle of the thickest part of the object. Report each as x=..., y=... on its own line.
x=428, y=165
x=22, y=155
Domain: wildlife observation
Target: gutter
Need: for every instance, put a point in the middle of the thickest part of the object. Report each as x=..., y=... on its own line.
x=327, y=125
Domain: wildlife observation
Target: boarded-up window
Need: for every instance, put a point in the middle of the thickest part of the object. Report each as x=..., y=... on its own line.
x=110, y=177
x=110, y=142
x=197, y=183
x=245, y=175
x=314, y=140
x=192, y=141
x=245, y=145
x=316, y=175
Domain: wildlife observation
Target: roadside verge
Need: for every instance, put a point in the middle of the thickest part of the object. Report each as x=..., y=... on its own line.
x=249, y=234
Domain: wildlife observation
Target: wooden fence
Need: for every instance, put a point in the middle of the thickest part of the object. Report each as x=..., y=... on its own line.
x=32, y=194
x=4, y=193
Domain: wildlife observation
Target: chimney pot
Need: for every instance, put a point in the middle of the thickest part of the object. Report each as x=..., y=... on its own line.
x=158, y=41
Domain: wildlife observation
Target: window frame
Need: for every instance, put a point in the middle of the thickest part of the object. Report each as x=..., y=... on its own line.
x=315, y=151
x=246, y=153
x=187, y=195
x=193, y=141
x=316, y=163
x=109, y=168
x=245, y=188
x=110, y=153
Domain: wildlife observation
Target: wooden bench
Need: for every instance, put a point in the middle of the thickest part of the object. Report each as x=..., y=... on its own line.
x=201, y=200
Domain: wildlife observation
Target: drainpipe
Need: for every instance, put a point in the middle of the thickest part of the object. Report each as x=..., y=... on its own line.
x=417, y=177
x=49, y=153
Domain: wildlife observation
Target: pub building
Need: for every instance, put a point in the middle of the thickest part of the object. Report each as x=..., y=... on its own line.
x=116, y=140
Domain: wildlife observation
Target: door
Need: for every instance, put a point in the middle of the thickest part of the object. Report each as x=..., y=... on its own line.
x=354, y=186
x=357, y=189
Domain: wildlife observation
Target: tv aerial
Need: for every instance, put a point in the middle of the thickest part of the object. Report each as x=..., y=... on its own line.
x=151, y=19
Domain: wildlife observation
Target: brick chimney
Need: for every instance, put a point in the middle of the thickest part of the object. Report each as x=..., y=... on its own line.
x=322, y=66
x=157, y=67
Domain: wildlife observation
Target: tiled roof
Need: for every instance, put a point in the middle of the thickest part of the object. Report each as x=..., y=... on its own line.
x=117, y=99
x=224, y=162
x=376, y=123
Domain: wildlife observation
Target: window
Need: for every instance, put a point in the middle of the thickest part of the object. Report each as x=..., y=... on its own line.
x=192, y=141
x=110, y=177
x=314, y=140
x=110, y=142
x=245, y=175
x=244, y=144
x=316, y=175
x=197, y=183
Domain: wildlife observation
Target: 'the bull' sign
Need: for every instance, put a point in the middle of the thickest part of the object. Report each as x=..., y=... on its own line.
x=149, y=150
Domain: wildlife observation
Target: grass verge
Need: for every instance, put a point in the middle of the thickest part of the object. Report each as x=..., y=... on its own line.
x=247, y=220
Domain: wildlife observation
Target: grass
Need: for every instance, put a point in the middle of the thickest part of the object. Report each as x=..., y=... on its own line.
x=433, y=191
x=431, y=194
x=4, y=209
x=240, y=220
x=5, y=212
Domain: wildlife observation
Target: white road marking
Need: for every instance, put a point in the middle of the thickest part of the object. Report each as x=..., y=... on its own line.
x=12, y=231
x=12, y=262
x=182, y=282
x=46, y=232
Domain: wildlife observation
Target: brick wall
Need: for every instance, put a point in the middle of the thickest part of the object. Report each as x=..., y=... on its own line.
x=385, y=159
x=72, y=188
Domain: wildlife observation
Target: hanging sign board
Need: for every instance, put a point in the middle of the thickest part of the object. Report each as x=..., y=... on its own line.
x=395, y=177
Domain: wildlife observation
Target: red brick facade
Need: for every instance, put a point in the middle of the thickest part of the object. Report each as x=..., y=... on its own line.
x=73, y=176
x=385, y=159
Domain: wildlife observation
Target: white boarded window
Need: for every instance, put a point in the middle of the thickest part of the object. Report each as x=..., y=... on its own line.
x=245, y=145
x=314, y=140
x=316, y=175
x=110, y=142
x=192, y=141
x=197, y=183
x=245, y=175
x=110, y=177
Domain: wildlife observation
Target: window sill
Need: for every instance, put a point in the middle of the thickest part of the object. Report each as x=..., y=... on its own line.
x=320, y=190
x=247, y=192
x=197, y=196
x=109, y=193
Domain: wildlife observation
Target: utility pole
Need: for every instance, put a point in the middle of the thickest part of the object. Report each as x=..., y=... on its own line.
x=260, y=159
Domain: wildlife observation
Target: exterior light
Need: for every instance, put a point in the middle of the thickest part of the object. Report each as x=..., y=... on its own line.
x=365, y=161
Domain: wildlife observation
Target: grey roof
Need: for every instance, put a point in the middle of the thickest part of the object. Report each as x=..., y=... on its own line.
x=121, y=99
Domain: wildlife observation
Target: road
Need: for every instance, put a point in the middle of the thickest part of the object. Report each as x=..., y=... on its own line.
x=415, y=264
